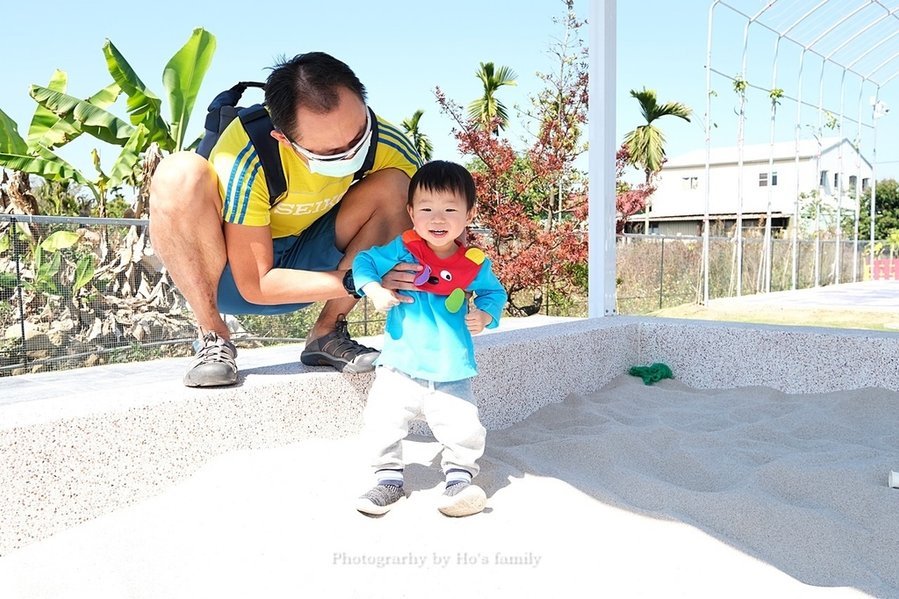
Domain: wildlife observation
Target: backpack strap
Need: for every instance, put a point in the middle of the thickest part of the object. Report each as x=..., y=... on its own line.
x=222, y=110
x=372, y=149
x=258, y=125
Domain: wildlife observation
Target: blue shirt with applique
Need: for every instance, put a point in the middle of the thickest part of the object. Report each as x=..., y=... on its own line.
x=427, y=338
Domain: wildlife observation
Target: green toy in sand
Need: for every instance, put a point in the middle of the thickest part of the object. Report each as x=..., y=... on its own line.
x=652, y=373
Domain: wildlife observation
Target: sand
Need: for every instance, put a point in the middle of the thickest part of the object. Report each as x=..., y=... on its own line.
x=632, y=491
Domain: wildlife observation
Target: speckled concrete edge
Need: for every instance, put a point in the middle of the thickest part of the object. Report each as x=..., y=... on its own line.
x=65, y=460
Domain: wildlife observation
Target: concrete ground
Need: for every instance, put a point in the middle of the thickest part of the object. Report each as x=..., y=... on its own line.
x=868, y=295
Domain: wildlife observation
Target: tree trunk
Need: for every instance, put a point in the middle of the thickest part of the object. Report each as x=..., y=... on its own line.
x=15, y=193
x=18, y=190
x=152, y=157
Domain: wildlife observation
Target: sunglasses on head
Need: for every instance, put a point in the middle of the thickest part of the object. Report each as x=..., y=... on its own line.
x=334, y=157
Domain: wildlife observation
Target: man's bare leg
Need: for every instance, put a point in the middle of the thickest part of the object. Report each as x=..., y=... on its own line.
x=186, y=232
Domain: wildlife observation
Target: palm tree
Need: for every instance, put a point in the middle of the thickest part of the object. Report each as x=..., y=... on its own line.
x=421, y=141
x=646, y=143
x=487, y=107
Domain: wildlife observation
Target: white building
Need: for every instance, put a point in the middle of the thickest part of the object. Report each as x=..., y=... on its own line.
x=771, y=174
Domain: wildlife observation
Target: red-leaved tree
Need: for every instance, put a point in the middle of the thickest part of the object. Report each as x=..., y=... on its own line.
x=532, y=205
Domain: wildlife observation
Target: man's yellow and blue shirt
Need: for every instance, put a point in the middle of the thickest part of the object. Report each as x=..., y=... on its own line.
x=245, y=198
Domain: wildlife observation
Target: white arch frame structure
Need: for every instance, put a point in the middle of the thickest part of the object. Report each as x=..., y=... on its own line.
x=838, y=32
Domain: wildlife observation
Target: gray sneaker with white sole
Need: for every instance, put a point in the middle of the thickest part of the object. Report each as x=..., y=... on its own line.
x=380, y=499
x=215, y=364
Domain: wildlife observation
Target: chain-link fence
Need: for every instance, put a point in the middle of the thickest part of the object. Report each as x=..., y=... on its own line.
x=656, y=272
x=82, y=291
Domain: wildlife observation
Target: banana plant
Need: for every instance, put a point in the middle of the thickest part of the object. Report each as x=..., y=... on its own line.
x=53, y=274
x=50, y=130
x=181, y=77
x=60, y=118
x=18, y=154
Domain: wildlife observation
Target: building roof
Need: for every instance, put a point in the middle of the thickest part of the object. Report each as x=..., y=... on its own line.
x=786, y=150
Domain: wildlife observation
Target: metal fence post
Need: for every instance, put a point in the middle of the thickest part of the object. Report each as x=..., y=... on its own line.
x=16, y=258
x=662, y=273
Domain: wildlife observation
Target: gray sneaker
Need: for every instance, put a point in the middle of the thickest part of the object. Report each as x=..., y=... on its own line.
x=380, y=499
x=215, y=363
x=339, y=351
x=462, y=499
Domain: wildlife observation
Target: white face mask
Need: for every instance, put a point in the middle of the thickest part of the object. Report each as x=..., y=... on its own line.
x=340, y=168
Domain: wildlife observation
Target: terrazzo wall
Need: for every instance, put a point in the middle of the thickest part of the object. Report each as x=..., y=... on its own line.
x=67, y=459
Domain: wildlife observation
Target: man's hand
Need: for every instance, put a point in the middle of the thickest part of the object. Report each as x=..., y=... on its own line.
x=402, y=276
x=476, y=320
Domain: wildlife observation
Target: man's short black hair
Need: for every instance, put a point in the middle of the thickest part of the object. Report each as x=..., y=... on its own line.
x=311, y=81
x=441, y=175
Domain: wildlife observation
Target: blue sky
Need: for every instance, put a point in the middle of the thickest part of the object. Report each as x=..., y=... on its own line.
x=401, y=50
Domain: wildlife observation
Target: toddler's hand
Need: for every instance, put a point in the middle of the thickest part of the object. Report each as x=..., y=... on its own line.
x=476, y=320
x=382, y=299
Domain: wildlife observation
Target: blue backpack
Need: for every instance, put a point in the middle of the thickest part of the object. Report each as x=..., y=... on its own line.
x=258, y=125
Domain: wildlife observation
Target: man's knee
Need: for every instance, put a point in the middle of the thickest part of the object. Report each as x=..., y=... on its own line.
x=376, y=204
x=181, y=177
x=385, y=190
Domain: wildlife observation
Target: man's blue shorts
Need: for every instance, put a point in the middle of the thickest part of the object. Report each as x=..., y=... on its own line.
x=313, y=249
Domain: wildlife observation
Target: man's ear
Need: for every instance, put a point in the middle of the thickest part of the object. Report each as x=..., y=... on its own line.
x=280, y=137
x=472, y=214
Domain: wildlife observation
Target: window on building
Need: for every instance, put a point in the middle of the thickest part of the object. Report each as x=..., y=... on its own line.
x=764, y=179
x=866, y=183
x=690, y=182
x=823, y=179
x=836, y=180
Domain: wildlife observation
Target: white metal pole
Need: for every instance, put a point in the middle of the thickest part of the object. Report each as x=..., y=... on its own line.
x=858, y=184
x=767, y=242
x=601, y=160
x=741, y=124
x=796, y=209
x=822, y=183
x=838, y=251
x=708, y=156
x=876, y=113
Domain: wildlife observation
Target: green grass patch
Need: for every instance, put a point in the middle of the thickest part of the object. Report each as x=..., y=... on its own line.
x=813, y=317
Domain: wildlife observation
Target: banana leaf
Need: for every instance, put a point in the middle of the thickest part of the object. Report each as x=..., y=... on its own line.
x=124, y=169
x=50, y=131
x=10, y=140
x=48, y=165
x=46, y=128
x=84, y=272
x=91, y=119
x=182, y=78
x=60, y=240
x=144, y=106
x=95, y=160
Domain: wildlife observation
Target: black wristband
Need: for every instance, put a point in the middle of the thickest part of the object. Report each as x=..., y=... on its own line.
x=349, y=285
